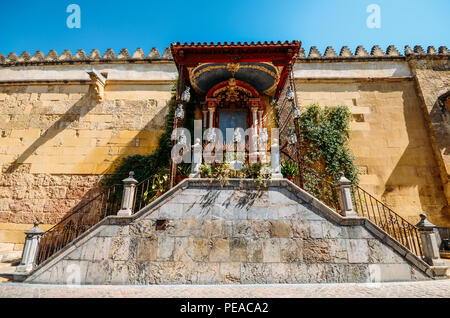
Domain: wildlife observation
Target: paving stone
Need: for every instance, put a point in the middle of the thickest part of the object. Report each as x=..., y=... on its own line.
x=424, y=289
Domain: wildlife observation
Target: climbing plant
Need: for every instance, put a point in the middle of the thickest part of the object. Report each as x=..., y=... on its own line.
x=325, y=152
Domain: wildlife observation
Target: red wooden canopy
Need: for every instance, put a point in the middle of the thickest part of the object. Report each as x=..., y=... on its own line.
x=279, y=54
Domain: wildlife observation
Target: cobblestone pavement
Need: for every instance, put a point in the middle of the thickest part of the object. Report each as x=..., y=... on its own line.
x=392, y=290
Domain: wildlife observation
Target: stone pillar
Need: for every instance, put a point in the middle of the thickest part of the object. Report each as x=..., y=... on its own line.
x=260, y=115
x=30, y=249
x=275, y=160
x=255, y=120
x=430, y=243
x=205, y=119
x=211, y=117
x=345, y=196
x=196, y=159
x=129, y=188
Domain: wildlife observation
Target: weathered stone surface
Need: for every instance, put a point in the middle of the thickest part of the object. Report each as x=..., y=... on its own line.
x=238, y=250
x=166, y=247
x=316, y=229
x=271, y=251
x=316, y=251
x=280, y=273
x=254, y=250
x=230, y=273
x=389, y=272
x=338, y=251
x=201, y=250
x=291, y=250
x=300, y=229
x=120, y=248
x=280, y=229
x=220, y=250
x=147, y=249
x=358, y=251
x=258, y=273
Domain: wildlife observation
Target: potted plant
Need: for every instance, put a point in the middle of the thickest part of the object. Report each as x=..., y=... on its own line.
x=289, y=170
x=160, y=184
x=183, y=172
x=206, y=170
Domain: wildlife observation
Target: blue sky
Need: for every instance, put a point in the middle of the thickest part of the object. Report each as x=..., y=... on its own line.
x=41, y=25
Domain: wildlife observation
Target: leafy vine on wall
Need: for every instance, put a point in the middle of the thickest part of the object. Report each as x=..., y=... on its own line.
x=325, y=151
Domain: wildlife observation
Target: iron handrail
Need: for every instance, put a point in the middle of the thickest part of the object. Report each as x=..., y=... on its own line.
x=80, y=220
x=392, y=223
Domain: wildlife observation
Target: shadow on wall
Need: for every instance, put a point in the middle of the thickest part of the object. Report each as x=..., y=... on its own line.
x=440, y=119
x=73, y=115
x=133, y=147
x=417, y=171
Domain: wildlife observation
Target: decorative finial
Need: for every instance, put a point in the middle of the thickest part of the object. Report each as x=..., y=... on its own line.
x=186, y=96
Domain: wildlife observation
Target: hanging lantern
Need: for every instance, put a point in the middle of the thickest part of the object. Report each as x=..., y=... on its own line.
x=296, y=113
x=179, y=113
x=292, y=137
x=290, y=95
x=186, y=96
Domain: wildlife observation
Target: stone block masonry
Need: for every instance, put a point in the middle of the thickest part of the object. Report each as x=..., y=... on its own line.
x=56, y=142
x=200, y=233
x=52, y=128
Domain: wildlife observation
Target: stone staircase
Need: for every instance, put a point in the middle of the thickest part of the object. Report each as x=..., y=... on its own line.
x=202, y=233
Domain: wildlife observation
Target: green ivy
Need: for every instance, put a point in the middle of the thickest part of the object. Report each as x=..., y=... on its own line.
x=325, y=136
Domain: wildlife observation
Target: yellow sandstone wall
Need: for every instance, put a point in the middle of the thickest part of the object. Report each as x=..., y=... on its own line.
x=390, y=142
x=432, y=76
x=56, y=141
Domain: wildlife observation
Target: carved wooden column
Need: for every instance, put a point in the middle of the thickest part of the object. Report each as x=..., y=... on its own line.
x=260, y=115
x=205, y=118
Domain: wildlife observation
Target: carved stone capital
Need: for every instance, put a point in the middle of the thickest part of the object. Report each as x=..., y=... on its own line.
x=98, y=82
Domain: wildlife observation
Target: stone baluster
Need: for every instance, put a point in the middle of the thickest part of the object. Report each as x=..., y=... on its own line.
x=196, y=159
x=255, y=120
x=260, y=116
x=275, y=159
x=211, y=117
x=345, y=197
x=430, y=242
x=30, y=249
x=129, y=188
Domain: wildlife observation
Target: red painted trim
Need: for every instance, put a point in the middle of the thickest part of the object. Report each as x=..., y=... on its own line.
x=280, y=54
x=254, y=92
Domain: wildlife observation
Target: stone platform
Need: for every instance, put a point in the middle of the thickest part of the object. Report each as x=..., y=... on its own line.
x=422, y=289
x=242, y=233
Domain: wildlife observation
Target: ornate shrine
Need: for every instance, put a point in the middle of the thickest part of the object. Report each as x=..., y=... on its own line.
x=236, y=81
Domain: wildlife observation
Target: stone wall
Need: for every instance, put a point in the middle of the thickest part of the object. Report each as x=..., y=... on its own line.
x=432, y=74
x=200, y=233
x=57, y=140
x=389, y=138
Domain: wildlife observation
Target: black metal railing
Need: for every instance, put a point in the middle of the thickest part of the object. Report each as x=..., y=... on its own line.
x=145, y=193
x=89, y=213
x=404, y=232
x=81, y=219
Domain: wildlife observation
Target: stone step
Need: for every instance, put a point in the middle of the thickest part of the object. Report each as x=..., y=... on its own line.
x=6, y=271
x=10, y=256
